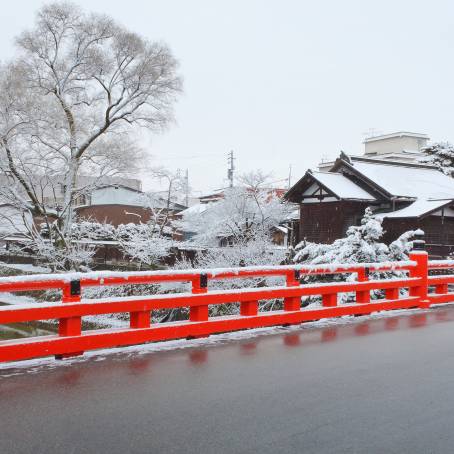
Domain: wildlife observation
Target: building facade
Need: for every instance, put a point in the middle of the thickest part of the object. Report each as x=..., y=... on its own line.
x=406, y=196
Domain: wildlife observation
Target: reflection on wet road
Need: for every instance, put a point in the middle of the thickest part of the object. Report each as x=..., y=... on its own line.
x=374, y=385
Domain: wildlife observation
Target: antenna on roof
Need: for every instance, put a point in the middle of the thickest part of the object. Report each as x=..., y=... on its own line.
x=372, y=132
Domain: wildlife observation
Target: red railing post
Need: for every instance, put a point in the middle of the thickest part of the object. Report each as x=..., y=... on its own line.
x=441, y=288
x=140, y=319
x=363, y=296
x=329, y=300
x=71, y=326
x=292, y=303
x=421, y=271
x=199, y=313
x=249, y=308
x=392, y=294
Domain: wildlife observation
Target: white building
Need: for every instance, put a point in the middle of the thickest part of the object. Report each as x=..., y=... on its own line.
x=398, y=147
x=112, y=194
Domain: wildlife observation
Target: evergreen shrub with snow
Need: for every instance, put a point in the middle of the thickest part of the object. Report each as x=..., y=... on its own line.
x=440, y=155
x=360, y=245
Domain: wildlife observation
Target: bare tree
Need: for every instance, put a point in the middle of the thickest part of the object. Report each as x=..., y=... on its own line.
x=160, y=203
x=69, y=104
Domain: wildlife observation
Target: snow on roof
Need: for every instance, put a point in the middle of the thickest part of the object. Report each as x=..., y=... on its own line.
x=408, y=181
x=397, y=134
x=417, y=209
x=295, y=214
x=198, y=208
x=116, y=186
x=341, y=186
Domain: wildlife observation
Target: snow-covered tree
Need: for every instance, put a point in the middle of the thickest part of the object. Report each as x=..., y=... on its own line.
x=160, y=203
x=79, y=250
x=143, y=243
x=400, y=249
x=149, y=242
x=246, y=212
x=440, y=155
x=360, y=245
x=70, y=103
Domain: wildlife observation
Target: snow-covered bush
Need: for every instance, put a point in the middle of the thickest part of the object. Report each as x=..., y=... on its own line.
x=256, y=252
x=142, y=243
x=360, y=245
x=74, y=256
x=92, y=231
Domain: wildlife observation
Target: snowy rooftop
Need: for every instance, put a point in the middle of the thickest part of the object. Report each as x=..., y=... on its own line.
x=342, y=186
x=198, y=208
x=418, y=208
x=416, y=135
x=408, y=181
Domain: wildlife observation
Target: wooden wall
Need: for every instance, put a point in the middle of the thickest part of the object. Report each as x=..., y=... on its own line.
x=327, y=221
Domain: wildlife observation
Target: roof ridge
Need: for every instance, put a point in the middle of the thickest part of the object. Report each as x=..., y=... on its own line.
x=393, y=163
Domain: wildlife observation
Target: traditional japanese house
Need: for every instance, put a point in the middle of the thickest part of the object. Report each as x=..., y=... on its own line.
x=406, y=195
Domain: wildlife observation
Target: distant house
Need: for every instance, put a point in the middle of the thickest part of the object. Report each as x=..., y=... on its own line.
x=406, y=195
x=118, y=204
x=280, y=234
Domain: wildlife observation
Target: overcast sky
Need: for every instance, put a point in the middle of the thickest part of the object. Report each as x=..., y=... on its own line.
x=287, y=82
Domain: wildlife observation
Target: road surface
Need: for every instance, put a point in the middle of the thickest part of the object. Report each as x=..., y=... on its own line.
x=370, y=386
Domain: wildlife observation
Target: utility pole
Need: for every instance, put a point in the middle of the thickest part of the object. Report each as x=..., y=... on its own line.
x=289, y=176
x=231, y=168
x=186, y=187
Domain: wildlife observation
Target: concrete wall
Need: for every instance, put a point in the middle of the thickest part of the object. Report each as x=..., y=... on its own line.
x=394, y=145
x=113, y=195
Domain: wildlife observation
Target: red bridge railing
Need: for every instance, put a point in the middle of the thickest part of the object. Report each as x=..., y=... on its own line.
x=423, y=290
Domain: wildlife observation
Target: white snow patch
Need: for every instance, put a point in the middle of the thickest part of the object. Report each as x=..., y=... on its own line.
x=342, y=186
x=26, y=267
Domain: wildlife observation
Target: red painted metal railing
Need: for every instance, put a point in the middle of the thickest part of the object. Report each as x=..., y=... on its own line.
x=71, y=340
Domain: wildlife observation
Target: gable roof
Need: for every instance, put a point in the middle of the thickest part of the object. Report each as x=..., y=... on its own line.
x=372, y=179
x=406, y=180
x=341, y=186
x=336, y=184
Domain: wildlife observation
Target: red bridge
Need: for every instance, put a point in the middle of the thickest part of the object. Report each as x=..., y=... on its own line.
x=368, y=384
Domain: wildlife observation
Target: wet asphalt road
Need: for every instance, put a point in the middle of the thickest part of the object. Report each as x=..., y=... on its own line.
x=372, y=386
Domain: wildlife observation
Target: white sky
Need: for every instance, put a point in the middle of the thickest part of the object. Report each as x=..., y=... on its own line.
x=287, y=82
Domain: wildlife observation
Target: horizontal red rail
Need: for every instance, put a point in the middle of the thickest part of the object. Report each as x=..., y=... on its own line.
x=101, y=278
x=71, y=340
x=55, y=345
x=441, y=264
x=18, y=313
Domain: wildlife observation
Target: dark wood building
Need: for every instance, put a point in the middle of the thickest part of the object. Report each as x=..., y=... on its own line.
x=407, y=197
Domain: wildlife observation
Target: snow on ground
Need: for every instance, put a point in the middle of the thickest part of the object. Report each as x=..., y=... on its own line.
x=25, y=267
x=12, y=298
x=42, y=364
